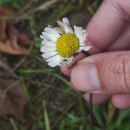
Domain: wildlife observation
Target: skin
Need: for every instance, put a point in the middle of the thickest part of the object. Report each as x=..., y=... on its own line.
x=109, y=35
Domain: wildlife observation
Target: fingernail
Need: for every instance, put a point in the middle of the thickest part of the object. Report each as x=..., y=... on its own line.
x=85, y=77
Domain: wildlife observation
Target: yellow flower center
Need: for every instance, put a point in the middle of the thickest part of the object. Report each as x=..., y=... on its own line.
x=67, y=45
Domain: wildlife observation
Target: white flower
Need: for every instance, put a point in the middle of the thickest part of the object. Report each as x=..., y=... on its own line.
x=60, y=44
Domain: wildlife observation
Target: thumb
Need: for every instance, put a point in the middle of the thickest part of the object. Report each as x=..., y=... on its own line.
x=103, y=73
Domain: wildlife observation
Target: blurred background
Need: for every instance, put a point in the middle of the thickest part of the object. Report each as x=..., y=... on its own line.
x=34, y=96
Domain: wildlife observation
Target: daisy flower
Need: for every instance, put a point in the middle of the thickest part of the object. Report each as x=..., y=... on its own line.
x=60, y=44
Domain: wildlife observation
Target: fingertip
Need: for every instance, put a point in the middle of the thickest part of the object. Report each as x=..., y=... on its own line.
x=84, y=77
x=121, y=101
x=65, y=71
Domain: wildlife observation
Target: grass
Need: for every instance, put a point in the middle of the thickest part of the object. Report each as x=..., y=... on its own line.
x=52, y=104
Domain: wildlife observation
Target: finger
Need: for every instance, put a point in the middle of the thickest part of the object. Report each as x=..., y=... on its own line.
x=121, y=101
x=108, y=72
x=122, y=43
x=97, y=98
x=66, y=71
x=111, y=19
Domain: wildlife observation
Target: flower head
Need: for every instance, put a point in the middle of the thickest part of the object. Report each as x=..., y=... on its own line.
x=60, y=44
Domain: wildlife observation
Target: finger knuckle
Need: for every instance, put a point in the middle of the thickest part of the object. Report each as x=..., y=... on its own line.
x=116, y=75
x=122, y=9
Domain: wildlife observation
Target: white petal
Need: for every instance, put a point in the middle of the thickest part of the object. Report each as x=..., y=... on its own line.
x=83, y=48
x=48, y=49
x=53, y=58
x=79, y=50
x=59, y=30
x=54, y=61
x=48, y=43
x=49, y=37
x=81, y=34
x=52, y=31
x=50, y=26
x=48, y=54
x=78, y=32
x=86, y=48
x=42, y=37
x=66, y=21
x=66, y=28
x=67, y=61
x=84, y=36
x=60, y=24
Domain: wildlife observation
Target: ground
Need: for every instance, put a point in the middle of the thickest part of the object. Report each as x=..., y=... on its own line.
x=51, y=103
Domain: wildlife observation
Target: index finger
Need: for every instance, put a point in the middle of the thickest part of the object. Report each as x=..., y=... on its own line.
x=109, y=22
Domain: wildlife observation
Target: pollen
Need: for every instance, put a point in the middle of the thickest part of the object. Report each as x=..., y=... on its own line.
x=67, y=45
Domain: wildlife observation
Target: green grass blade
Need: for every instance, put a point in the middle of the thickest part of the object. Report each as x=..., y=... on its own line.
x=46, y=118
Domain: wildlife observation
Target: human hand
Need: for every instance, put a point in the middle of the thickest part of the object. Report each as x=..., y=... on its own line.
x=107, y=75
